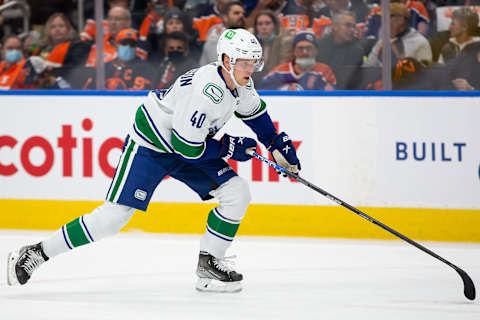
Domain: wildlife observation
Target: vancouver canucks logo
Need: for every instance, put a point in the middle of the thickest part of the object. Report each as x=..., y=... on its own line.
x=214, y=92
x=229, y=35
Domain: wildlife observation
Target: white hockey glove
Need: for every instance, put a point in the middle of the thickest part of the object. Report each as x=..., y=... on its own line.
x=284, y=153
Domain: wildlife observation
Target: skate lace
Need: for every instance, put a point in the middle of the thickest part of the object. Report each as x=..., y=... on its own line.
x=224, y=264
x=32, y=262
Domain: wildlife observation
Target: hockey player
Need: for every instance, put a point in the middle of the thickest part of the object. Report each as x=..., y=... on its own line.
x=172, y=134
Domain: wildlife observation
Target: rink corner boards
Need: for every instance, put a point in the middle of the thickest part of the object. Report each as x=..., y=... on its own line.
x=260, y=220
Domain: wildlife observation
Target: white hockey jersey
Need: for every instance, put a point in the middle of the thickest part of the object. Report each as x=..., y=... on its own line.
x=195, y=107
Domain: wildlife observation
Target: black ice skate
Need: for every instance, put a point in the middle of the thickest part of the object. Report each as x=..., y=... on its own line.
x=216, y=275
x=23, y=262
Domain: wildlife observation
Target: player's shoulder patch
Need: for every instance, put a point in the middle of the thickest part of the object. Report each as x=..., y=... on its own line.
x=214, y=92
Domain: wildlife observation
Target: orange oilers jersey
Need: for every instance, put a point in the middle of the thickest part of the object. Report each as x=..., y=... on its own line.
x=12, y=77
x=57, y=55
x=295, y=22
x=150, y=22
x=204, y=24
x=88, y=32
x=418, y=8
x=109, y=53
x=321, y=25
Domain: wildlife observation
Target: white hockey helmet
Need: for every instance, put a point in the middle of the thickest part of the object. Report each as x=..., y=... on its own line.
x=239, y=44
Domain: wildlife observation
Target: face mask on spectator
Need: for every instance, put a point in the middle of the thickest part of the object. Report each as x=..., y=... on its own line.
x=305, y=63
x=266, y=39
x=175, y=56
x=125, y=53
x=13, y=56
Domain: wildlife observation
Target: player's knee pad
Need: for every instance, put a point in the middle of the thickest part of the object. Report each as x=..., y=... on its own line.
x=234, y=197
x=107, y=219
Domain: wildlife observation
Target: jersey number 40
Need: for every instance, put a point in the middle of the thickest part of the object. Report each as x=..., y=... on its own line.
x=197, y=121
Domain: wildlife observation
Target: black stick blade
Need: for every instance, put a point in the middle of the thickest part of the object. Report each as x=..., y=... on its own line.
x=468, y=286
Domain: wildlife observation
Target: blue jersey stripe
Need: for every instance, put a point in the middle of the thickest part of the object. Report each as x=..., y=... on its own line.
x=86, y=229
x=187, y=141
x=65, y=238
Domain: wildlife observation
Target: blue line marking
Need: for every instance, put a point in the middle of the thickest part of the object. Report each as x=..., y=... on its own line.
x=65, y=237
x=139, y=93
x=367, y=93
x=310, y=93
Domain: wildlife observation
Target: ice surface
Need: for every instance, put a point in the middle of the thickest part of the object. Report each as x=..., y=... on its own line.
x=151, y=276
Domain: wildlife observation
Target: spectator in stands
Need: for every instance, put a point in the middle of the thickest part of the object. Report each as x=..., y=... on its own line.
x=341, y=50
x=334, y=7
x=294, y=15
x=462, y=29
x=207, y=18
x=267, y=31
x=12, y=75
x=153, y=25
x=63, y=46
x=463, y=71
x=233, y=18
x=127, y=71
x=88, y=32
x=177, y=60
x=303, y=72
x=358, y=7
x=58, y=30
x=42, y=74
x=175, y=21
x=406, y=42
x=419, y=18
x=118, y=19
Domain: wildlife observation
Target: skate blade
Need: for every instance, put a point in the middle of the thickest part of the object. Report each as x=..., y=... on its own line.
x=11, y=274
x=211, y=285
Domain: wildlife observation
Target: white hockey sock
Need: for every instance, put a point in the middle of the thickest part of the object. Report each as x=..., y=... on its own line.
x=223, y=221
x=104, y=221
x=219, y=234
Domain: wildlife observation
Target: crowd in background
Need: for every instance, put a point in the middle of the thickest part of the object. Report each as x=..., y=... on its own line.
x=308, y=44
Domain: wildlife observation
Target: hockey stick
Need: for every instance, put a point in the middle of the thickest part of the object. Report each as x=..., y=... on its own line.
x=468, y=286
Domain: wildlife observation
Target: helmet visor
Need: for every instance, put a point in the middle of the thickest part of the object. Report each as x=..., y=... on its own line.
x=252, y=65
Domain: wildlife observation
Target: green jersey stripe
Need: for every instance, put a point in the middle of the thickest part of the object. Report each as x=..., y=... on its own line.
x=260, y=110
x=76, y=234
x=221, y=226
x=143, y=125
x=187, y=150
x=123, y=168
